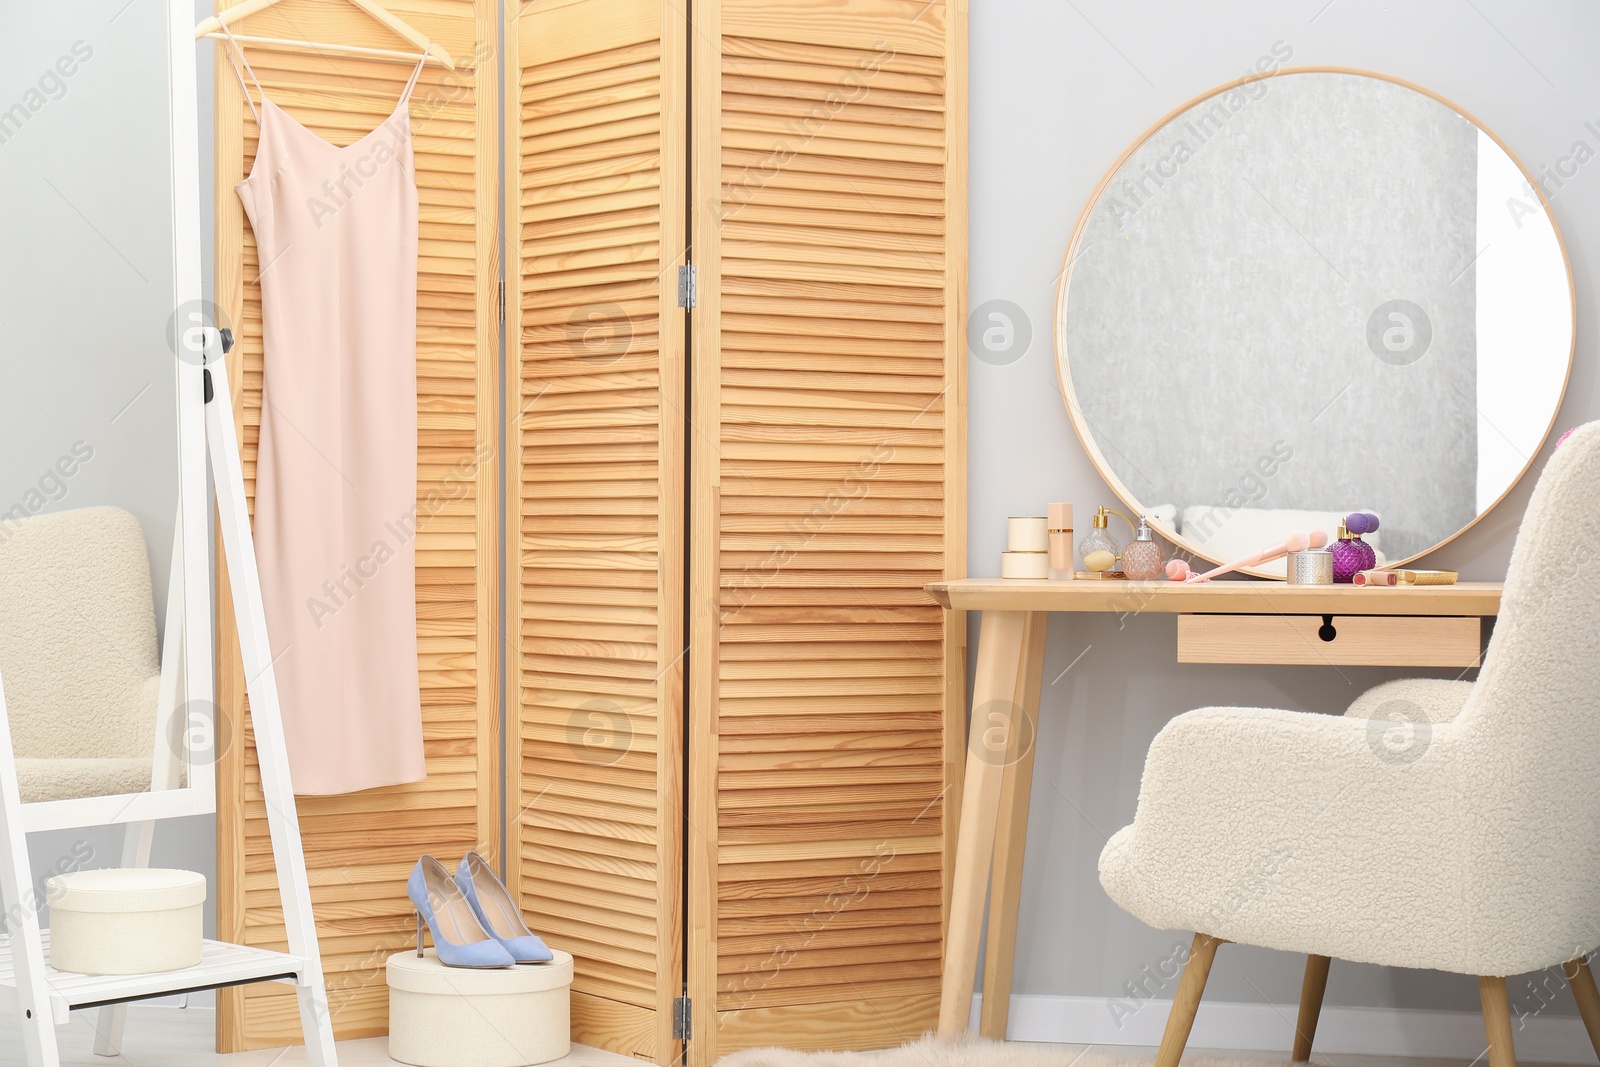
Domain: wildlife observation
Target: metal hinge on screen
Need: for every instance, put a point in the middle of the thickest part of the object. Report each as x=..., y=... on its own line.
x=682, y=1019
x=502, y=301
x=686, y=286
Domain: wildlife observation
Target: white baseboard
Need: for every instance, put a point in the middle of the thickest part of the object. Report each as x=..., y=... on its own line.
x=1235, y=1026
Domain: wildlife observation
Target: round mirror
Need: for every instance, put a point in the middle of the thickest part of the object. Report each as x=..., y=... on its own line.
x=1312, y=293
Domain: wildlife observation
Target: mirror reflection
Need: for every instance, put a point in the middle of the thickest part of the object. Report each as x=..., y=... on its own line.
x=89, y=478
x=1311, y=294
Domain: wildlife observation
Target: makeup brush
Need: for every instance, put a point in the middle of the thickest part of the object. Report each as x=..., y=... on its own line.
x=1179, y=571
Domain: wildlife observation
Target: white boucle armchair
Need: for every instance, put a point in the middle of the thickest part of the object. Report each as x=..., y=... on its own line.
x=78, y=651
x=1437, y=824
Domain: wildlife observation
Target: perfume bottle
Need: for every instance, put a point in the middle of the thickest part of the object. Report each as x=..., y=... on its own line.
x=1351, y=555
x=1142, y=559
x=1099, y=550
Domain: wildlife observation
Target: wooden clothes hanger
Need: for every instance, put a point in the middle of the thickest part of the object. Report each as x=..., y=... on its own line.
x=212, y=27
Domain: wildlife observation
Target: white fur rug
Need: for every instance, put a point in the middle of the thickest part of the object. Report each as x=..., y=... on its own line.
x=932, y=1051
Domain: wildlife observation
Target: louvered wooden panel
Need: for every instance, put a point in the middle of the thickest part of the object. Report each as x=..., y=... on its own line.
x=596, y=199
x=360, y=847
x=825, y=723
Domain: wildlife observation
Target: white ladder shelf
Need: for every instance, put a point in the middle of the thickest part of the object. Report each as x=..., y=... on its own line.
x=221, y=965
x=40, y=995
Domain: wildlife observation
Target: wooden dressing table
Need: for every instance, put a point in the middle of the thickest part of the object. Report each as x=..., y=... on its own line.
x=1219, y=622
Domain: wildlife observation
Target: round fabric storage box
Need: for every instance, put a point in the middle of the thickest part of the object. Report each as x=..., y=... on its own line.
x=126, y=921
x=498, y=1017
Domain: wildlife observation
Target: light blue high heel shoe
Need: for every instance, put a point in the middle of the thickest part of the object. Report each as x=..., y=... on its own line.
x=459, y=938
x=492, y=904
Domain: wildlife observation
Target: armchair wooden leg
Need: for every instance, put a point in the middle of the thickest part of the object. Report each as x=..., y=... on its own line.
x=1187, y=1001
x=1581, y=980
x=1497, y=1021
x=1311, y=990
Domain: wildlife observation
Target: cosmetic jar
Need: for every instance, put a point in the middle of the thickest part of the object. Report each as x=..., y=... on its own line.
x=1027, y=534
x=1024, y=565
x=1314, y=566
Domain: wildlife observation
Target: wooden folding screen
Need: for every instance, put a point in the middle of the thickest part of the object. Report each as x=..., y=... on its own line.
x=360, y=847
x=825, y=729
x=735, y=721
x=596, y=220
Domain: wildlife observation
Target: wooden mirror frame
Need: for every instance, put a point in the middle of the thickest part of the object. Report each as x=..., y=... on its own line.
x=1080, y=424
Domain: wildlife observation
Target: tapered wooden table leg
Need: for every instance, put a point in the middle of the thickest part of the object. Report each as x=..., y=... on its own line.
x=1010, y=837
x=1000, y=659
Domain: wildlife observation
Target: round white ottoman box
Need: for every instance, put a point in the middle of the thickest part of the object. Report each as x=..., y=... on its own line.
x=126, y=921
x=458, y=1017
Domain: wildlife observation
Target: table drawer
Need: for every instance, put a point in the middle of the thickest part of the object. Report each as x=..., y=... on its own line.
x=1357, y=640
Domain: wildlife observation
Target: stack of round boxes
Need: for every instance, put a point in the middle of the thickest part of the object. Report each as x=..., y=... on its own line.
x=1028, y=548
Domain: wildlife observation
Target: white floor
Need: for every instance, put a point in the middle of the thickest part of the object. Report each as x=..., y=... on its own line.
x=174, y=1037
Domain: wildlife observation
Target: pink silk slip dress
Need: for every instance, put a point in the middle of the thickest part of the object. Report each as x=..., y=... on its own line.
x=336, y=474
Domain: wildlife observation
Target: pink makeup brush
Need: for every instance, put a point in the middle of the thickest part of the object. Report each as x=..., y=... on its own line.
x=1299, y=541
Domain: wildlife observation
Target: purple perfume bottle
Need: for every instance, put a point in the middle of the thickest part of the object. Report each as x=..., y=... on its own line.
x=1350, y=553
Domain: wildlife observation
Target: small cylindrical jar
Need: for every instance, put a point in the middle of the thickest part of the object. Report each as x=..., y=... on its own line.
x=1314, y=566
x=1027, y=533
x=1023, y=565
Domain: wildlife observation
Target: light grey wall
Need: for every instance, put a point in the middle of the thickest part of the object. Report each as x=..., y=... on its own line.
x=85, y=298
x=1222, y=313
x=1058, y=90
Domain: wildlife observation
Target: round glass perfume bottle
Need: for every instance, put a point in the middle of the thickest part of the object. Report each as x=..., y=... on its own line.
x=1099, y=550
x=1351, y=555
x=1142, y=559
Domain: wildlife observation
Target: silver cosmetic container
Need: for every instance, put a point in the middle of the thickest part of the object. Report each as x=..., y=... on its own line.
x=1314, y=566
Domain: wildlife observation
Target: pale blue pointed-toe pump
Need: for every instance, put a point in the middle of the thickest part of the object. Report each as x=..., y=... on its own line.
x=492, y=904
x=459, y=937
